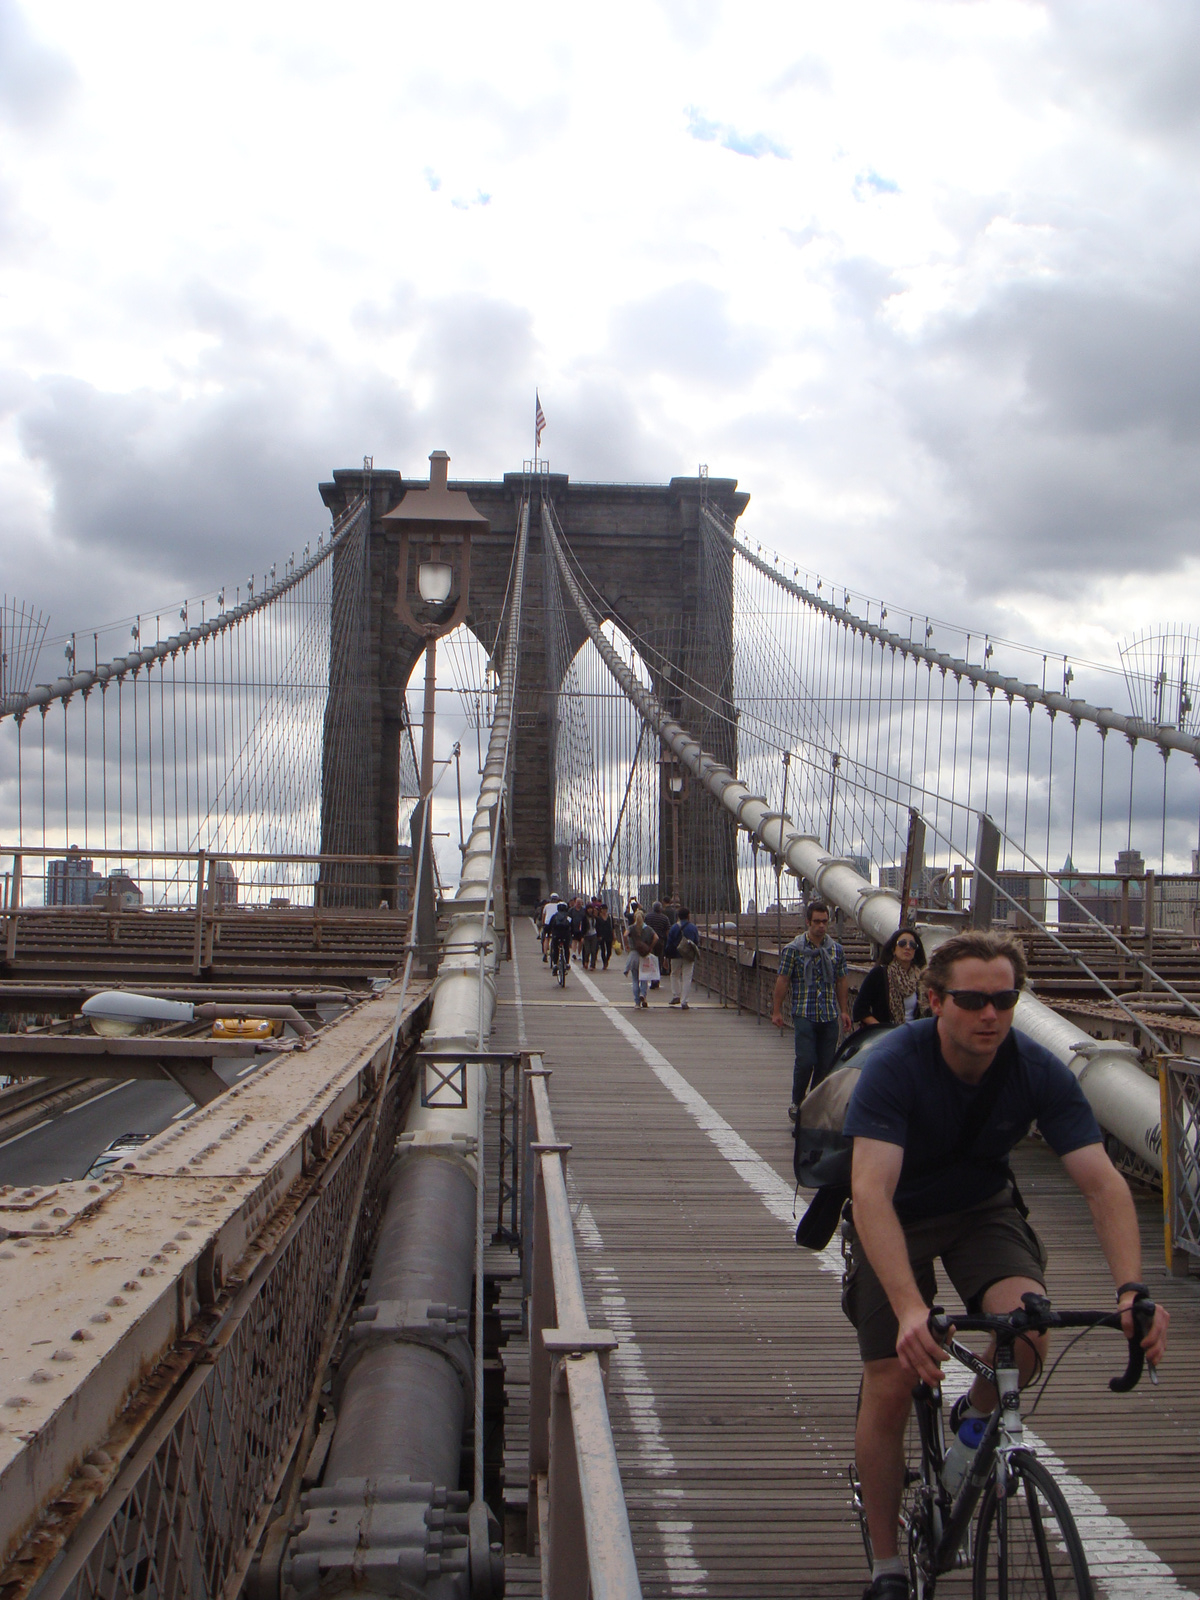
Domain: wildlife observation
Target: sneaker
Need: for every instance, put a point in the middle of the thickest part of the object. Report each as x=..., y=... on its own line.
x=673, y=1001
x=645, y=1004
x=793, y=1112
x=888, y=1586
x=683, y=1006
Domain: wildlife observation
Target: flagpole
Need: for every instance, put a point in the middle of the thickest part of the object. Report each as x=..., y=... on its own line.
x=535, y=435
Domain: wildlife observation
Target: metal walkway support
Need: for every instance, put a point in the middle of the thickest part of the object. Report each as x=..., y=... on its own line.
x=388, y=1514
x=575, y=1492
x=1124, y=1098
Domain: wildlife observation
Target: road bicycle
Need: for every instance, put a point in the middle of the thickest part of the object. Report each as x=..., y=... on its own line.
x=1024, y=1544
x=562, y=960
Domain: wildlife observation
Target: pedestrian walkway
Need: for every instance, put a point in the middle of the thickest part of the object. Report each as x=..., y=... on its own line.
x=734, y=1386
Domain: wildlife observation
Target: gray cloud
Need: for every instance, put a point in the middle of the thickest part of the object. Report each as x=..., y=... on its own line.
x=686, y=332
x=1063, y=420
x=160, y=493
x=35, y=82
x=1140, y=61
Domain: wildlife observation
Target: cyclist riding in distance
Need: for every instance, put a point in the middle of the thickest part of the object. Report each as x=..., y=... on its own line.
x=930, y=1179
x=559, y=929
x=549, y=912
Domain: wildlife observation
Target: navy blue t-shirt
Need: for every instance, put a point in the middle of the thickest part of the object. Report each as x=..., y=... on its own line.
x=908, y=1096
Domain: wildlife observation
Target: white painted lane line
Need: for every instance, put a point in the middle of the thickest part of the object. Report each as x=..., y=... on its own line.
x=687, y=1576
x=1124, y=1567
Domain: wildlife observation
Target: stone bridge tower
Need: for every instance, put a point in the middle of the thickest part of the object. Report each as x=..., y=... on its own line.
x=640, y=546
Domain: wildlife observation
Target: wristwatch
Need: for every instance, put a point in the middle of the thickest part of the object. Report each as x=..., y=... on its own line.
x=1140, y=1291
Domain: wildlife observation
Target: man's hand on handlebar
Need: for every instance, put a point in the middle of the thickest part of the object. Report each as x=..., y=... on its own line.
x=1154, y=1344
x=920, y=1354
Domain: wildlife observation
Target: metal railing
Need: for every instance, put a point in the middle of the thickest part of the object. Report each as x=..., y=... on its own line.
x=182, y=1512
x=1179, y=1081
x=577, y=1503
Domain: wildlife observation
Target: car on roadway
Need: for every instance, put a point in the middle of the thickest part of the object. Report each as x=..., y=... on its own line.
x=114, y=1152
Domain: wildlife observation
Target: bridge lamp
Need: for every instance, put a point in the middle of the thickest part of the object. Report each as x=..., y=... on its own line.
x=675, y=784
x=435, y=524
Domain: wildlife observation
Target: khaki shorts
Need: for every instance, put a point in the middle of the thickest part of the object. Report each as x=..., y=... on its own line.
x=978, y=1248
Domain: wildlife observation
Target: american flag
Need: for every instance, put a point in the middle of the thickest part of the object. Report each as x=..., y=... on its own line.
x=539, y=422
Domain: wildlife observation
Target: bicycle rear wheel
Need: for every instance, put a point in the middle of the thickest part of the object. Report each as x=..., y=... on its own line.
x=1027, y=1546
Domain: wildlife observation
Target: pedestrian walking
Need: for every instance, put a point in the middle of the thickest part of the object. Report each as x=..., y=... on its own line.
x=604, y=933
x=590, y=939
x=642, y=942
x=683, y=946
x=578, y=919
x=815, y=966
x=890, y=992
x=657, y=919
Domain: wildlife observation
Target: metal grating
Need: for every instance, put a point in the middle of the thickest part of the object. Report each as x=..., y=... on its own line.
x=1183, y=1087
x=186, y=1508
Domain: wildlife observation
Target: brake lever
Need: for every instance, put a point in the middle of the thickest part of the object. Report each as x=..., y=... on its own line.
x=1143, y=1321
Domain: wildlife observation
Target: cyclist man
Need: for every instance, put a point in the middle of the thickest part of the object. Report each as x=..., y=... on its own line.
x=921, y=1190
x=559, y=930
x=549, y=912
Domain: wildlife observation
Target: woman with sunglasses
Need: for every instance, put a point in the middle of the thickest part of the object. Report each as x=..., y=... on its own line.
x=889, y=993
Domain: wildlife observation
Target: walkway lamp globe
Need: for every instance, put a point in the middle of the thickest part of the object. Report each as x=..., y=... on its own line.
x=434, y=581
x=435, y=524
x=675, y=787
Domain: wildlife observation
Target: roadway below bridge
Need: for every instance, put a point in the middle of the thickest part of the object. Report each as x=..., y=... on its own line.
x=67, y=1142
x=733, y=1390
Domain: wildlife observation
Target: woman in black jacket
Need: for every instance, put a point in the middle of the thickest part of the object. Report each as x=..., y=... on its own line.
x=889, y=991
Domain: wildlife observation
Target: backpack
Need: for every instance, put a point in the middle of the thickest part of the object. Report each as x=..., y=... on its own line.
x=822, y=1155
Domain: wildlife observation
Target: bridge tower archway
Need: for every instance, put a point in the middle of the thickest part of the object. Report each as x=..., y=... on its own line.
x=640, y=549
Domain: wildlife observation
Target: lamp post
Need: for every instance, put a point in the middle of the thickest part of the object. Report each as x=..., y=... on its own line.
x=675, y=795
x=435, y=525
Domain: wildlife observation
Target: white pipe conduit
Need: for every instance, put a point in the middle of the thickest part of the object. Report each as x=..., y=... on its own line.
x=461, y=1016
x=1124, y=1098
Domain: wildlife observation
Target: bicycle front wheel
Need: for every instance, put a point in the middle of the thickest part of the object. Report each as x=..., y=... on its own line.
x=1027, y=1546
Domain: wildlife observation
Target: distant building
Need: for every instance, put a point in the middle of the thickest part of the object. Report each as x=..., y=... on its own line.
x=225, y=884
x=119, y=886
x=1101, y=896
x=71, y=881
x=928, y=885
x=404, y=878
x=1028, y=890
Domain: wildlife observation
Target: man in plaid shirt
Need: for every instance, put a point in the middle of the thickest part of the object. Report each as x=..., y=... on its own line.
x=815, y=966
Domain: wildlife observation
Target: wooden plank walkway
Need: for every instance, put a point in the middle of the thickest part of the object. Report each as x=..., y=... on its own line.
x=733, y=1390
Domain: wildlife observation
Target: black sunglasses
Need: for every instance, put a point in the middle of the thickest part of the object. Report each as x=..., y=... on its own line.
x=976, y=999
x=906, y=944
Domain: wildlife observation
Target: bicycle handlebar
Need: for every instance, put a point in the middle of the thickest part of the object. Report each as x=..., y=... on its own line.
x=1036, y=1315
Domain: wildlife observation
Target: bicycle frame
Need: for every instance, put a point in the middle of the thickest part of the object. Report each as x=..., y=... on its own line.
x=951, y=1521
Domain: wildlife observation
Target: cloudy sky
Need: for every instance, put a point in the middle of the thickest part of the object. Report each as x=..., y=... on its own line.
x=921, y=274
